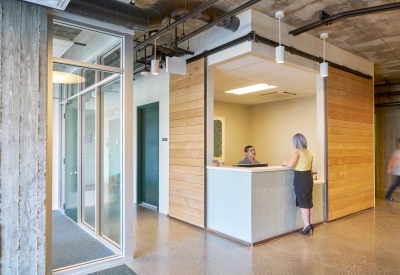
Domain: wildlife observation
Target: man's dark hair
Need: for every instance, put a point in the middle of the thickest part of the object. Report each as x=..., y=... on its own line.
x=247, y=148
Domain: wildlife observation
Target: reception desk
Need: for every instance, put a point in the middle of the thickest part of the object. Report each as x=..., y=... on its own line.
x=251, y=205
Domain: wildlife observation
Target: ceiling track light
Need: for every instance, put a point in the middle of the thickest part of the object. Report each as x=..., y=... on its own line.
x=280, y=50
x=155, y=64
x=323, y=67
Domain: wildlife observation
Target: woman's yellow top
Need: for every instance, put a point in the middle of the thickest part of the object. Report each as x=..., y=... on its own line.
x=304, y=162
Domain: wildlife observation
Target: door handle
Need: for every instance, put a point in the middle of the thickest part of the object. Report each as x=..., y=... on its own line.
x=75, y=172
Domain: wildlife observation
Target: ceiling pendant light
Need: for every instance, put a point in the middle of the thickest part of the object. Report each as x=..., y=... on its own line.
x=66, y=78
x=323, y=67
x=155, y=64
x=280, y=50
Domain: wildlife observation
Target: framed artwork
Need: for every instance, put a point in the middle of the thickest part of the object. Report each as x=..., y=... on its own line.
x=219, y=138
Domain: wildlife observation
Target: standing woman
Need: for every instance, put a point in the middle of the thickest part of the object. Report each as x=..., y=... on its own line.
x=303, y=181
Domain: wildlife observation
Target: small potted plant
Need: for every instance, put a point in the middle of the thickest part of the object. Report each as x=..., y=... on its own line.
x=215, y=162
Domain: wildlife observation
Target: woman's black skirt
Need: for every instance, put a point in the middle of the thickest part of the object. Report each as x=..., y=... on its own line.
x=303, y=187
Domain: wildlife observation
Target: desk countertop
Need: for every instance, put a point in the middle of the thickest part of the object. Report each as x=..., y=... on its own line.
x=256, y=170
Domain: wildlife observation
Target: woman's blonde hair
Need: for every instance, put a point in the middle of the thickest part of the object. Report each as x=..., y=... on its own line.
x=299, y=141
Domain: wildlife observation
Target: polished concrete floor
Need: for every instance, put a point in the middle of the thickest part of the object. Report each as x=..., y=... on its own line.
x=364, y=243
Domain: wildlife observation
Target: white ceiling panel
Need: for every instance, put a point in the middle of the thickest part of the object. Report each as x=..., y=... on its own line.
x=250, y=70
x=238, y=62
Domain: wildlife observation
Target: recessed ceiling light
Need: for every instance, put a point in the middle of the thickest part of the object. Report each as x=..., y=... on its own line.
x=251, y=89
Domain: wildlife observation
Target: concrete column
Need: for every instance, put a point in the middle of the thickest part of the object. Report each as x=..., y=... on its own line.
x=23, y=102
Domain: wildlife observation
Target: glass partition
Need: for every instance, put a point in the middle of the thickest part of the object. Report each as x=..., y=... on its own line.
x=79, y=44
x=89, y=159
x=90, y=156
x=111, y=161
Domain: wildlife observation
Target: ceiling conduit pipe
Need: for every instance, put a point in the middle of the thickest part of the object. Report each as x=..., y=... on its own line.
x=388, y=104
x=147, y=19
x=326, y=19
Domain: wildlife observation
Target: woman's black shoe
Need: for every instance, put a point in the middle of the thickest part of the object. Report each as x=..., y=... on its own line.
x=306, y=230
x=312, y=229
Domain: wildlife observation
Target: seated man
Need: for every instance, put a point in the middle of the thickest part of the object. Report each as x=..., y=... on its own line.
x=250, y=156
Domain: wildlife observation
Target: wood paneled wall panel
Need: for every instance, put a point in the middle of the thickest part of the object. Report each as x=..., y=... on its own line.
x=189, y=73
x=350, y=139
x=187, y=145
x=197, y=95
x=186, y=201
x=196, y=154
x=187, y=185
x=349, y=96
x=186, y=82
x=349, y=167
x=348, y=110
x=199, y=196
x=350, y=117
x=186, y=90
x=350, y=124
x=187, y=170
x=347, y=75
x=345, y=88
x=187, y=106
x=349, y=131
x=350, y=175
x=187, y=209
x=186, y=137
x=187, y=114
x=186, y=161
x=349, y=103
x=186, y=177
x=186, y=217
x=192, y=129
x=191, y=121
x=348, y=145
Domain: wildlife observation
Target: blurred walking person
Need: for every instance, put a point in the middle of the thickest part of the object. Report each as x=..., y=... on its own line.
x=394, y=169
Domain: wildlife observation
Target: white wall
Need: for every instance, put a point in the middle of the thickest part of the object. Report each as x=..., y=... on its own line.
x=148, y=90
x=274, y=124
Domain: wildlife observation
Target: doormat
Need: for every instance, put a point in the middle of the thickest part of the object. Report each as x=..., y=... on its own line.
x=117, y=270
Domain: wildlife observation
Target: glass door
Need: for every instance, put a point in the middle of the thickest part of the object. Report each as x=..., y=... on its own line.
x=92, y=157
x=89, y=159
x=70, y=159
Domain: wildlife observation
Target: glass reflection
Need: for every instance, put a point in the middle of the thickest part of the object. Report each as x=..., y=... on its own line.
x=111, y=125
x=89, y=159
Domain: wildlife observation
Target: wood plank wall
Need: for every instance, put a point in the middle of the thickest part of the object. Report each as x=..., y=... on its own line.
x=350, y=114
x=187, y=145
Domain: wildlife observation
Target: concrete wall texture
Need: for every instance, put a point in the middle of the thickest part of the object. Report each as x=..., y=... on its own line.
x=23, y=92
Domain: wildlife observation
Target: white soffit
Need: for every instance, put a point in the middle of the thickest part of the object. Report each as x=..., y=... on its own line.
x=249, y=69
x=54, y=4
x=60, y=46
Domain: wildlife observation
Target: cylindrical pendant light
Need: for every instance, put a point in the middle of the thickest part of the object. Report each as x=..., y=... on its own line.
x=323, y=67
x=280, y=50
x=155, y=64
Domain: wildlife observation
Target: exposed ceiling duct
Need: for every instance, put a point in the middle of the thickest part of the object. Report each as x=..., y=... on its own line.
x=54, y=4
x=146, y=19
